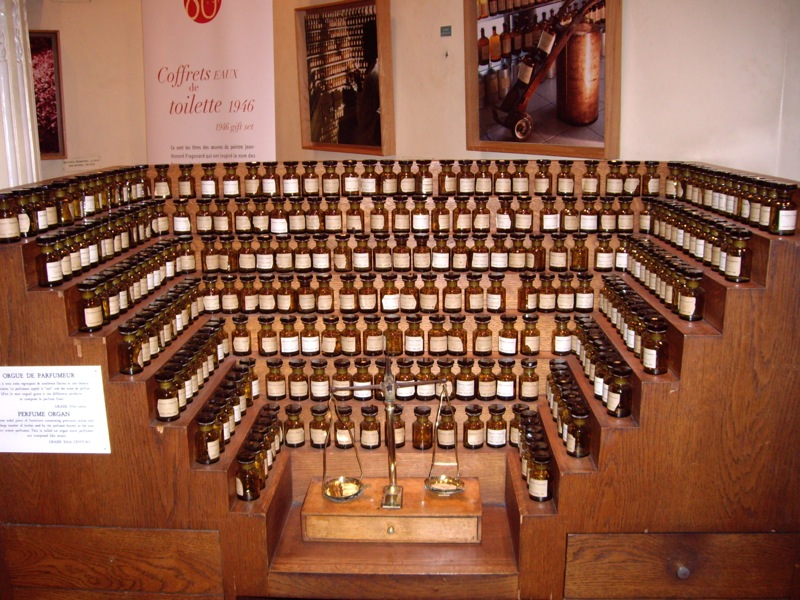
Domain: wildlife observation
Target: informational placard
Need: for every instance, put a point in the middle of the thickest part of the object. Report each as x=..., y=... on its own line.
x=209, y=80
x=58, y=410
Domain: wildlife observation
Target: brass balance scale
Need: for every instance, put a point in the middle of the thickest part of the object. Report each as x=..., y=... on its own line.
x=442, y=507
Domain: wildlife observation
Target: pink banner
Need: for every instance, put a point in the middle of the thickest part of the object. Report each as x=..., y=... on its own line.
x=209, y=80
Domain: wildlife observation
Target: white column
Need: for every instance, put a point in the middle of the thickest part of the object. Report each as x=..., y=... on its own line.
x=18, y=135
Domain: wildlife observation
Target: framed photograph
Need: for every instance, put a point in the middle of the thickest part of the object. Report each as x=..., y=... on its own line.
x=46, y=61
x=543, y=77
x=344, y=61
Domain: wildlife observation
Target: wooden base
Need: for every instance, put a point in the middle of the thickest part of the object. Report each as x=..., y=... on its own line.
x=424, y=518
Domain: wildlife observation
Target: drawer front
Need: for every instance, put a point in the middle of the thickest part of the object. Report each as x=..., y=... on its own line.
x=690, y=565
x=393, y=528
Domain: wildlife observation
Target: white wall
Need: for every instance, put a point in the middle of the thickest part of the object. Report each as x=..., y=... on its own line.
x=102, y=78
x=717, y=80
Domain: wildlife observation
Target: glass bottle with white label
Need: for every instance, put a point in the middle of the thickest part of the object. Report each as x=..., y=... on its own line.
x=691, y=296
x=487, y=382
x=474, y=429
x=508, y=338
x=421, y=255
x=209, y=187
x=783, y=216
x=344, y=428
x=446, y=429
x=651, y=180
x=369, y=428
x=557, y=257
x=294, y=433
x=565, y=180
x=632, y=183
x=309, y=336
x=319, y=427
x=739, y=260
x=549, y=220
x=496, y=427
x=290, y=181
x=270, y=181
x=267, y=337
x=542, y=179
x=231, y=185
x=447, y=178
x=342, y=379
x=275, y=380
x=319, y=382
x=620, y=392
x=330, y=180
x=603, y=254
x=457, y=336
x=519, y=184
x=473, y=295
x=388, y=178
x=562, y=336
x=298, y=380
x=465, y=178
x=483, y=179
x=615, y=180
x=465, y=380
x=351, y=182
x=407, y=183
x=370, y=180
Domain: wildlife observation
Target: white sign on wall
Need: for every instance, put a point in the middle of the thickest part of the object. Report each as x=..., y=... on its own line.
x=58, y=410
x=209, y=80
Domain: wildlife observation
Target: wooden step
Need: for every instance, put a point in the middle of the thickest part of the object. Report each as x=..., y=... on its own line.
x=368, y=570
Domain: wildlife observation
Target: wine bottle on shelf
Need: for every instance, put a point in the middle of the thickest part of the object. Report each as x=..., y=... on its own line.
x=483, y=49
x=494, y=46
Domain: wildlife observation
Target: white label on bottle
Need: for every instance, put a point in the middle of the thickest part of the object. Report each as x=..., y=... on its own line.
x=653, y=185
x=370, y=438
x=230, y=302
x=604, y=260
x=414, y=343
x=562, y=343
x=476, y=437
x=428, y=301
x=328, y=345
x=422, y=261
x=330, y=187
x=523, y=222
x=516, y=260
x=496, y=437
x=502, y=185
x=247, y=261
x=452, y=302
x=589, y=185
x=438, y=344
x=440, y=260
x=558, y=259
x=505, y=389
x=354, y=223
x=525, y=72
x=261, y=222
x=266, y=302
x=584, y=300
x=383, y=260
x=614, y=186
x=733, y=266
x=483, y=343
x=367, y=301
x=538, y=487
x=400, y=431
x=409, y=303
x=321, y=261
x=375, y=343
x=93, y=316
x=405, y=392
x=547, y=301
x=541, y=185
x=389, y=186
x=278, y=225
x=333, y=222
x=269, y=186
x=208, y=187
x=368, y=185
x=296, y=223
x=454, y=344
x=483, y=185
x=480, y=260
x=401, y=260
x=494, y=301
x=361, y=260
x=550, y=222
x=787, y=220
x=408, y=185
x=211, y=303
x=347, y=301
x=625, y=222
x=621, y=261
x=344, y=437
x=320, y=389
x=446, y=437
x=507, y=345
x=291, y=186
x=401, y=222
x=686, y=305
x=465, y=388
x=221, y=222
x=168, y=407
x=460, y=262
x=466, y=186
x=520, y=185
x=296, y=436
x=613, y=401
x=348, y=344
x=318, y=436
x=565, y=302
x=631, y=185
x=241, y=345
x=290, y=344
x=310, y=344
x=476, y=302
x=421, y=222
x=426, y=390
x=649, y=356
x=390, y=301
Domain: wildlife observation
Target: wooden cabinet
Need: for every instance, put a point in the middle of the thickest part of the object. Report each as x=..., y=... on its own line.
x=687, y=565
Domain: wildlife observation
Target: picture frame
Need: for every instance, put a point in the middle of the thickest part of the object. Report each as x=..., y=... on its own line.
x=346, y=92
x=572, y=114
x=46, y=64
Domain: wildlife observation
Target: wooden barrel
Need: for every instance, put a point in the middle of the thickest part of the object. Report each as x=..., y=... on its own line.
x=578, y=83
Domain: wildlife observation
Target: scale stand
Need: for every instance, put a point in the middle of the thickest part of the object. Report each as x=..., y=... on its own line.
x=341, y=488
x=444, y=485
x=393, y=493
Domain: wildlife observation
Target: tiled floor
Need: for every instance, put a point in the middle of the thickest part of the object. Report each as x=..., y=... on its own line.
x=547, y=127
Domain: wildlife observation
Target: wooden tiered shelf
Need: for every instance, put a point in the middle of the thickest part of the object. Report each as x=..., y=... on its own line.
x=702, y=472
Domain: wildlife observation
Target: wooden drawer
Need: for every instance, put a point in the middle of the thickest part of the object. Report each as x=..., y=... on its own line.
x=696, y=565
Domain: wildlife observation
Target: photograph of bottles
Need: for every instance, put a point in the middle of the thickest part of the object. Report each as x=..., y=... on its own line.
x=541, y=73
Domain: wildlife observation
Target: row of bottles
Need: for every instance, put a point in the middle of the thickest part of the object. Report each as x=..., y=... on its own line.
x=759, y=202
x=446, y=255
x=310, y=217
x=556, y=293
x=414, y=177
